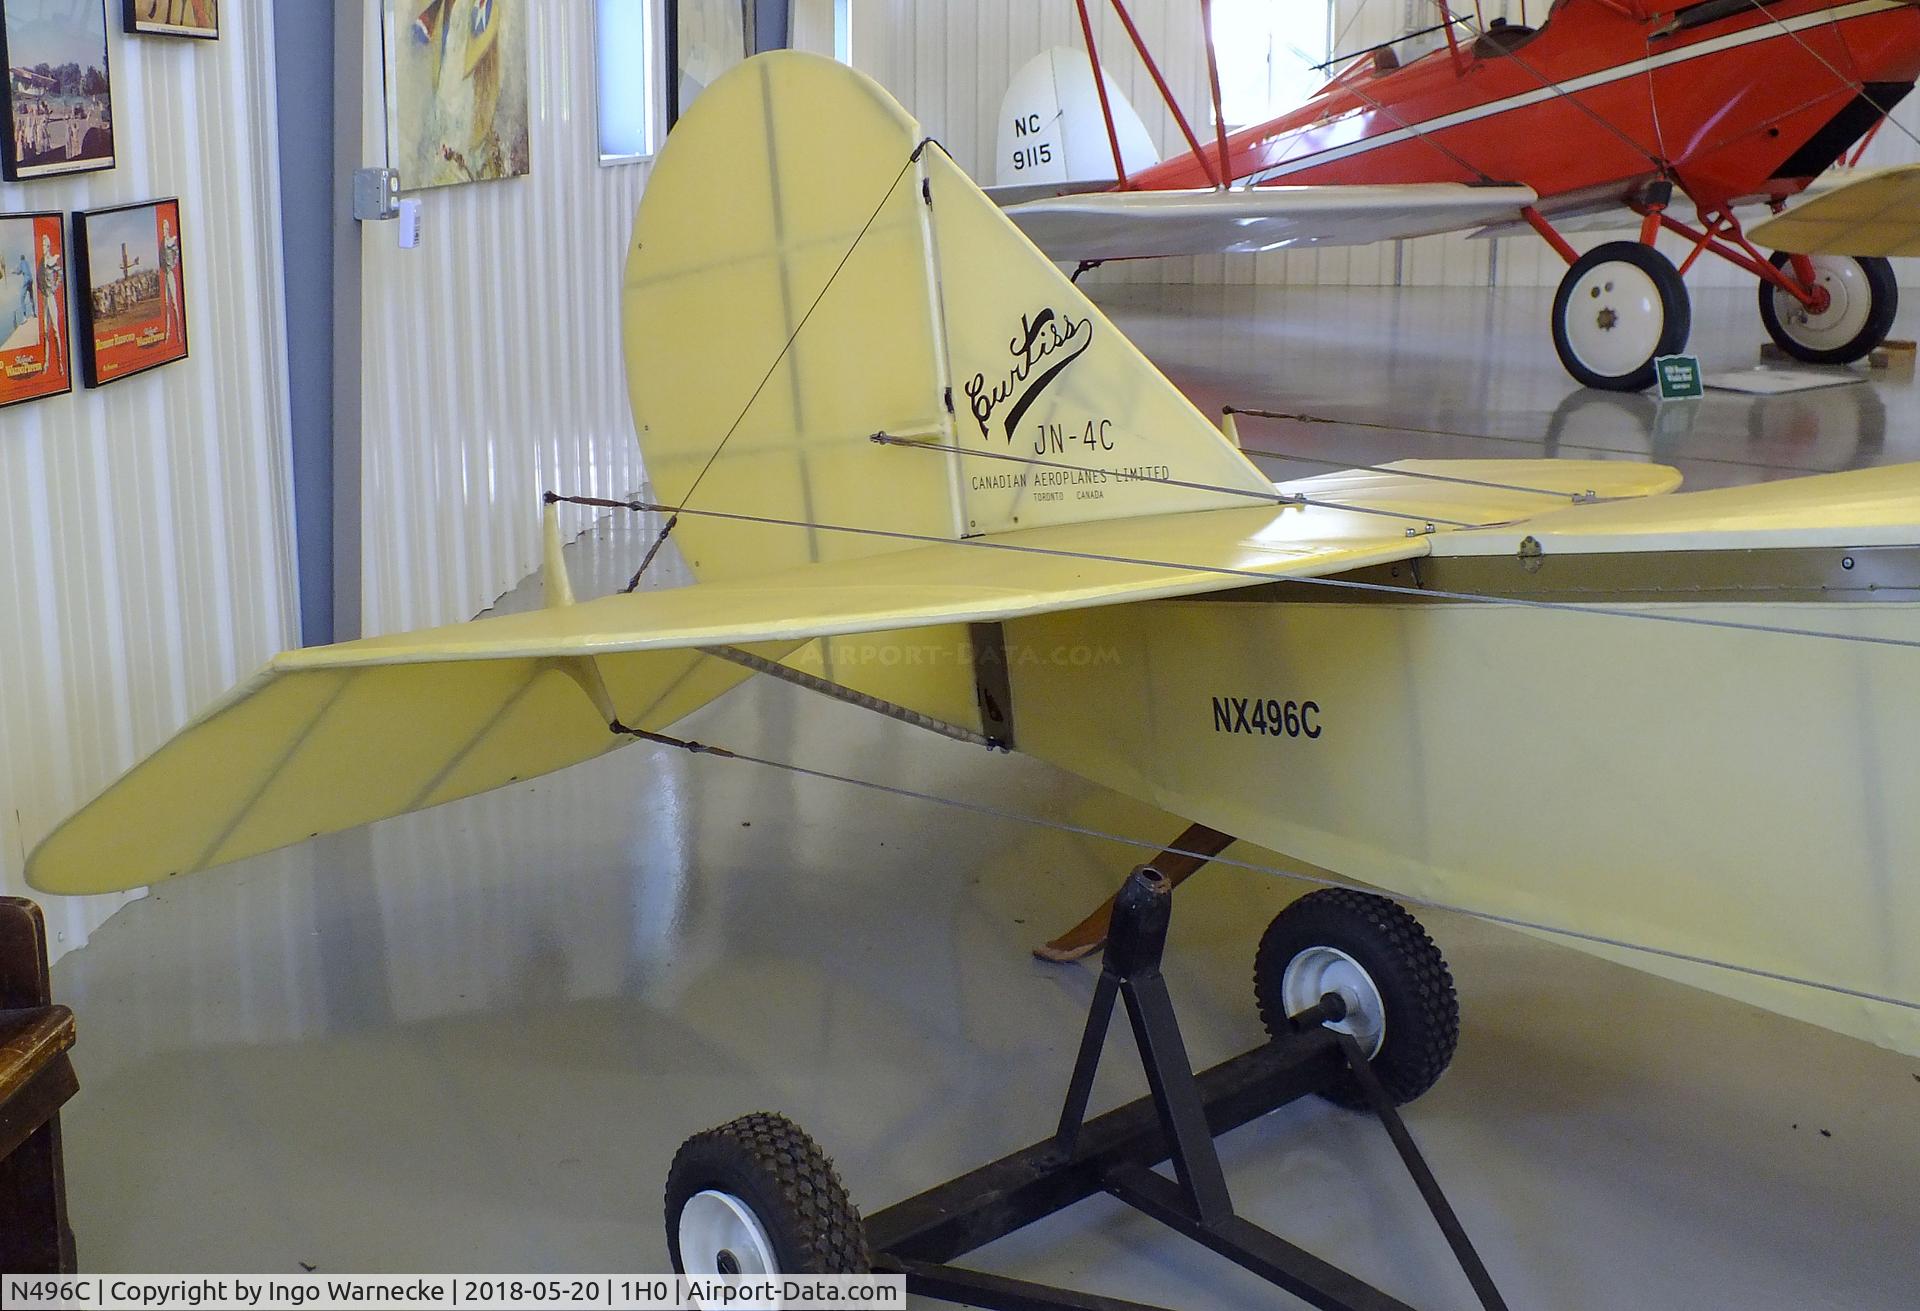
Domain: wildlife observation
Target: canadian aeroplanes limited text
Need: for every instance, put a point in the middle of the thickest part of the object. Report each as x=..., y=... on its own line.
x=1053, y=484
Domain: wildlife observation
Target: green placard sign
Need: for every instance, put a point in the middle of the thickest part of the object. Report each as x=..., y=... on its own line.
x=1679, y=377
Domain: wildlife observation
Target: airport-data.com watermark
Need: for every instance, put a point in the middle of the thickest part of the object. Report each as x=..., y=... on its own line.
x=873, y=1292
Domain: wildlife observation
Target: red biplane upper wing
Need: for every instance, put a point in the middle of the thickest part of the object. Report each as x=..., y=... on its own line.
x=1124, y=224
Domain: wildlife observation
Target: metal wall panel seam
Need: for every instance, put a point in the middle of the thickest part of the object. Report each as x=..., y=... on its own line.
x=150, y=537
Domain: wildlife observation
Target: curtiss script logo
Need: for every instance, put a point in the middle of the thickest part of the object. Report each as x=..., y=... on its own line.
x=1046, y=344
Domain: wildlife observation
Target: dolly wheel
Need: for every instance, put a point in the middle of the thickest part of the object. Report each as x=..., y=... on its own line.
x=1620, y=307
x=1855, y=315
x=757, y=1196
x=1401, y=1007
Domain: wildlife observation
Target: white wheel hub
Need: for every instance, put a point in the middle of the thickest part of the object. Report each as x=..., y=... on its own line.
x=720, y=1235
x=1849, y=305
x=1614, y=318
x=1317, y=971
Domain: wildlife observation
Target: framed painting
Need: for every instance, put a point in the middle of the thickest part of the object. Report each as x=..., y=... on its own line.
x=704, y=39
x=59, y=94
x=190, y=18
x=36, y=348
x=457, y=81
x=131, y=274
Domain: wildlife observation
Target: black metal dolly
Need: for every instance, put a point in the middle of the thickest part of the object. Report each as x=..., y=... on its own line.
x=1116, y=1153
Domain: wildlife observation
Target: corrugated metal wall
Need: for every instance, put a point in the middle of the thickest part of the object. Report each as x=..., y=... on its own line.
x=949, y=61
x=493, y=368
x=145, y=531
x=813, y=26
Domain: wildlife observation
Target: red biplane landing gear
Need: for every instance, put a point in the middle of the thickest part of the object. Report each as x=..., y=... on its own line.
x=1360, y=1008
x=1853, y=309
x=1619, y=307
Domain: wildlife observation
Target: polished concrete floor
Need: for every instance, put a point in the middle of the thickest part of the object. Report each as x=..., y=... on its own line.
x=472, y=1039
x=1460, y=374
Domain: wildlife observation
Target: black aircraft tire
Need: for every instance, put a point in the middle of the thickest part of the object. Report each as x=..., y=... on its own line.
x=768, y=1165
x=1865, y=298
x=1621, y=306
x=1412, y=987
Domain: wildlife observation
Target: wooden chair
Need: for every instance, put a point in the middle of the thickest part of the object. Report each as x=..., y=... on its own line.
x=36, y=1079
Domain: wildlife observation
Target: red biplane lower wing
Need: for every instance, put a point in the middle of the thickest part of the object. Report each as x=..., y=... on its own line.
x=1125, y=224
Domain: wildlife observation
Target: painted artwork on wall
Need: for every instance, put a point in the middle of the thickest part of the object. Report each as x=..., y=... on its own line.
x=194, y=18
x=36, y=349
x=709, y=37
x=59, y=97
x=132, y=283
x=457, y=87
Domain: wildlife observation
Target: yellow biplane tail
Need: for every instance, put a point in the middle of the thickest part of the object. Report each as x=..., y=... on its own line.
x=834, y=284
x=781, y=312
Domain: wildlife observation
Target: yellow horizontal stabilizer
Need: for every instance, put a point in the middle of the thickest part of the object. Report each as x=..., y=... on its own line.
x=1877, y=213
x=333, y=737
x=304, y=748
x=1858, y=507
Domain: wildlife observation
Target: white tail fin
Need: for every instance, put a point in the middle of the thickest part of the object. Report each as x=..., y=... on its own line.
x=1052, y=130
x=839, y=281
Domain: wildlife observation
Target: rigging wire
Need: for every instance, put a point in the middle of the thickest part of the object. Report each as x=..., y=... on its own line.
x=1653, y=100
x=1548, y=84
x=785, y=349
x=674, y=511
x=1859, y=88
x=1275, y=497
x=1388, y=44
x=1257, y=575
x=1425, y=903
x=1298, y=139
x=981, y=808
x=1659, y=161
x=1417, y=129
x=1654, y=157
x=1427, y=135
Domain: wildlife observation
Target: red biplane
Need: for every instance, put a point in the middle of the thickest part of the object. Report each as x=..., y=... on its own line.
x=1607, y=104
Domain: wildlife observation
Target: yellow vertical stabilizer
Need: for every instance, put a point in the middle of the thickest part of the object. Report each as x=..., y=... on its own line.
x=827, y=275
x=555, y=584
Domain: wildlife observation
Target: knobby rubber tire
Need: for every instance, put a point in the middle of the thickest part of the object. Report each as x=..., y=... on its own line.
x=772, y=1165
x=1416, y=987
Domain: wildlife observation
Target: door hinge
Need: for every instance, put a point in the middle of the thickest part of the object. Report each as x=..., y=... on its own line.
x=376, y=194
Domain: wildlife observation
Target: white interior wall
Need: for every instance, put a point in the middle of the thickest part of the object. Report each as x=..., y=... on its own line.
x=813, y=26
x=493, y=368
x=146, y=556
x=949, y=61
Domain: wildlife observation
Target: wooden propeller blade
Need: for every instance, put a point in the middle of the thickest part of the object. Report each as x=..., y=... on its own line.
x=1189, y=853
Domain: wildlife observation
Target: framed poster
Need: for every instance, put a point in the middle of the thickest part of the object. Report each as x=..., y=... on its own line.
x=59, y=96
x=132, y=282
x=195, y=18
x=457, y=91
x=704, y=39
x=36, y=348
